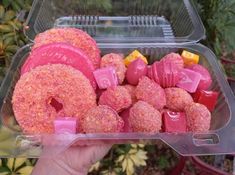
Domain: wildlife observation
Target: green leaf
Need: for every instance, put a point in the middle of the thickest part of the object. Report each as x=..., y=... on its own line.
x=6, y=28
x=163, y=162
x=230, y=24
x=12, y=48
x=3, y=170
x=6, y=3
x=2, y=11
x=9, y=15
x=15, y=6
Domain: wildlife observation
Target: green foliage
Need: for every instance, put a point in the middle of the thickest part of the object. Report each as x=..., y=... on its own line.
x=219, y=20
x=11, y=30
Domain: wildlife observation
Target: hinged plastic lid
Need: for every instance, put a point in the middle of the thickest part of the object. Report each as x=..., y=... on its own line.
x=120, y=21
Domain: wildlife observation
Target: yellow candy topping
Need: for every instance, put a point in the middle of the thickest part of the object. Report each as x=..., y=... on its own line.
x=189, y=58
x=133, y=56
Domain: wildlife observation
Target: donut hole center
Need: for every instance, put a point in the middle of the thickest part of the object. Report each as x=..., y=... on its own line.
x=55, y=104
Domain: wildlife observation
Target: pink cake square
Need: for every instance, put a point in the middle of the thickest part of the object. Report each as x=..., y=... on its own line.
x=189, y=80
x=64, y=125
x=174, y=122
x=106, y=77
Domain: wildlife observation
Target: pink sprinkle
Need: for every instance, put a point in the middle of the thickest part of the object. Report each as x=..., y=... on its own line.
x=106, y=77
x=65, y=125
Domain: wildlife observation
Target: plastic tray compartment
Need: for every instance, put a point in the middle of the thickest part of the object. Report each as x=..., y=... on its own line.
x=220, y=139
x=122, y=21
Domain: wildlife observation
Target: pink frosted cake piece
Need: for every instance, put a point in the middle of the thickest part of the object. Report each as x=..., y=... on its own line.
x=64, y=125
x=189, y=80
x=106, y=77
x=60, y=53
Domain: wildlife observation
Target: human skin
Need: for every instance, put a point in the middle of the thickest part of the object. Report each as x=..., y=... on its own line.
x=75, y=160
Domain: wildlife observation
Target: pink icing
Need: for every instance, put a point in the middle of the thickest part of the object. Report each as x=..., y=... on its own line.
x=106, y=77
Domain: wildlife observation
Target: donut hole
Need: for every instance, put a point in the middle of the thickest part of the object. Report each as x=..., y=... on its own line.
x=55, y=104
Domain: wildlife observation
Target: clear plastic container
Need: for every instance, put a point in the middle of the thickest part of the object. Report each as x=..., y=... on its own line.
x=155, y=28
x=220, y=139
x=120, y=21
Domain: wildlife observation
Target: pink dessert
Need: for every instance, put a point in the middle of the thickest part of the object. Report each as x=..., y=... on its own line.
x=207, y=98
x=198, y=117
x=102, y=119
x=106, y=77
x=150, y=92
x=117, y=98
x=174, y=122
x=189, y=80
x=125, y=116
x=131, y=90
x=152, y=72
x=145, y=118
x=60, y=53
x=206, y=80
x=135, y=71
x=63, y=125
x=47, y=92
x=177, y=99
x=174, y=58
x=168, y=73
x=116, y=61
x=72, y=36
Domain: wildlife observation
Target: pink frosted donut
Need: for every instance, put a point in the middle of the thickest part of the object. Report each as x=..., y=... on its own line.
x=149, y=91
x=177, y=99
x=198, y=117
x=117, y=98
x=131, y=90
x=73, y=36
x=60, y=53
x=144, y=118
x=48, y=92
x=115, y=60
x=101, y=119
x=174, y=58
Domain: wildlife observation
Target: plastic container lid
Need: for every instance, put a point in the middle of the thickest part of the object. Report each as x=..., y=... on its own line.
x=120, y=21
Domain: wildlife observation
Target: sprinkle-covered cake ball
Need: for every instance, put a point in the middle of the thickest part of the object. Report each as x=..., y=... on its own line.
x=101, y=119
x=73, y=36
x=177, y=98
x=175, y=58
x=131, y=90
x=117, y=98
x=144, y=118
x=149, y=91
x=51, y=91
x=115, y=60
x=198, y=117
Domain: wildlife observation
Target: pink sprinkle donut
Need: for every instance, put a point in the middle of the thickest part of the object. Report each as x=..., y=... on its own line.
x=117, y=98
x=60, y=53
x=48, y=92
x=101, y=119
x=177, y=99
x=115, y=60
x=73, y=36
x=149, y=91
x=198, y=117
x=144, y=118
